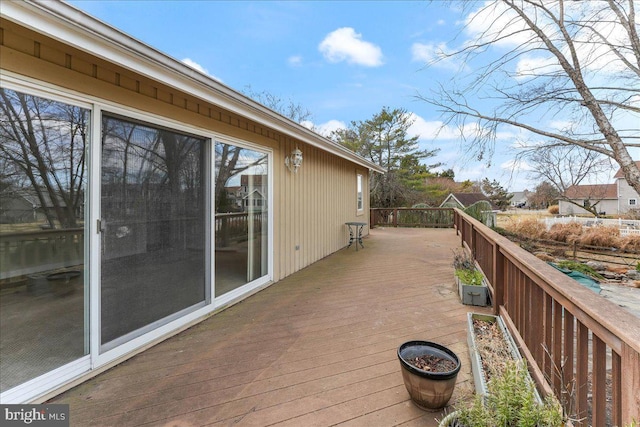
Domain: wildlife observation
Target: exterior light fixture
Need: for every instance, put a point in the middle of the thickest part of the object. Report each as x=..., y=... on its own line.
x=294, y=160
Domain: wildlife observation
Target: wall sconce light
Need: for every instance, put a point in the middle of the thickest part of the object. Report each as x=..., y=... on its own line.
x=294, y=161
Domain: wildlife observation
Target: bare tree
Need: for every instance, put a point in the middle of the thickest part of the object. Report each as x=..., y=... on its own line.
x=530, y=63
x=291, y=109
x=565, y=167
x=43, y=144
x=543, y=196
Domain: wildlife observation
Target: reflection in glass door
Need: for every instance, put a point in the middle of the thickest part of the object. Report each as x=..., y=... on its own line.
x=153, y=206
x=43, y=294
x=241, y=226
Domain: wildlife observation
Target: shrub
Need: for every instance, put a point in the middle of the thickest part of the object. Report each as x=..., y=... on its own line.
x=554, y=209
x=511, y=402
x=600, y=236
x=528, y=227
x=630, y=243
x=568, y=233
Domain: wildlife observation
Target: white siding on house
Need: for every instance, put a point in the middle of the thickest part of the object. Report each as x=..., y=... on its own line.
x=610, y=207
x=627, y=194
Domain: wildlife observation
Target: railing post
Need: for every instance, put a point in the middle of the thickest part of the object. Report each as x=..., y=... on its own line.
x=630, y=368
x=224, y=232
x=498, y=279
x=472, y=242
x=395, y=217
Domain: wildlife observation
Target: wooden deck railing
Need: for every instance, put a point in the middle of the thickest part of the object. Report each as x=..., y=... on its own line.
x=412, y=217
x=579, y=345
x=32, y=252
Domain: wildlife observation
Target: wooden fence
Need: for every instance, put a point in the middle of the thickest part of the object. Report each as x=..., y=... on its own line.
x=411, y=217
x=579, y=345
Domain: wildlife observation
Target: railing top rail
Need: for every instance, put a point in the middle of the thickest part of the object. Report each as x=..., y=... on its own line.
x=616, y=326
x=235, y=214
x=412, y=209
x=41, y=233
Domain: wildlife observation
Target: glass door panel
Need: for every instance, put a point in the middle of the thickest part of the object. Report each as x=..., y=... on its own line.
x=153, y=208
x=241, y=225
x=43, y=294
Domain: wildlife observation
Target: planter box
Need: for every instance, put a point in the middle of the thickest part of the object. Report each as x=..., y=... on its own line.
x=473, y=295
x=476, y=363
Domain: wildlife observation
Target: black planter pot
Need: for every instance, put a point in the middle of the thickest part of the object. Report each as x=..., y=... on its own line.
x=428, y=390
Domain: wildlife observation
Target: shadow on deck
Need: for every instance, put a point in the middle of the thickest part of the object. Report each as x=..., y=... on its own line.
x=315, y=349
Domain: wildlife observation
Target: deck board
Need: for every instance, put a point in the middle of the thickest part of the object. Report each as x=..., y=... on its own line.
x=315, y=349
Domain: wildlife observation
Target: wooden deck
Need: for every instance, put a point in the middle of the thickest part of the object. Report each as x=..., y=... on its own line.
x=315, y=349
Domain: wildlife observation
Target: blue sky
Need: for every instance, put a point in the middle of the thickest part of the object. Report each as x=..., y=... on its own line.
x=341, y=60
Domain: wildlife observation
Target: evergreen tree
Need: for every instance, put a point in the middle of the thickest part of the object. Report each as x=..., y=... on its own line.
x=384, y=140
x=496, y=193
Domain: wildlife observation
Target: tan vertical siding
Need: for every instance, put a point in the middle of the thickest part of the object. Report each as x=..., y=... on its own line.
x=314, y=205
x=310, y=207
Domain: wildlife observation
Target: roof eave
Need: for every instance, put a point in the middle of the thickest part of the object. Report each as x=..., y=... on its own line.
x=72, y=26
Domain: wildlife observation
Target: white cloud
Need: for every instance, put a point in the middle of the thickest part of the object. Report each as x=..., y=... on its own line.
x=518, y=165
x=433, y=54
x=562, y=125
x=193, y=64
x=441, y=22
x=295, y=61
x=496, y=22
x=326, y=128
x=534, y=66
x=344, y=44
x=437, y=130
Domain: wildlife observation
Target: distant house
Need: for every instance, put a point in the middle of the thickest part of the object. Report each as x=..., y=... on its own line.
x=611, y=199
x=628, y=198
x=18, y=207
x=464, y=200
x=603, y=196
x=24, y=206
x=520, y=199
x=252, y=190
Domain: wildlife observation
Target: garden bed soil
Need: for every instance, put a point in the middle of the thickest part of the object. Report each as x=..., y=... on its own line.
x=494, y=350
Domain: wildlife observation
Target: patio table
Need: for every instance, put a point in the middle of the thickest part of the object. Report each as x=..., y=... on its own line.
x=355, y=233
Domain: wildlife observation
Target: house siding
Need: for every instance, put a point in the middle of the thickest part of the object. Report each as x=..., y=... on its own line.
x=310, y=207
x=610, y=207
x=626, y=192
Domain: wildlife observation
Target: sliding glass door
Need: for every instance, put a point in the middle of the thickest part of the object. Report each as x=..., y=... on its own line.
x=153, y=219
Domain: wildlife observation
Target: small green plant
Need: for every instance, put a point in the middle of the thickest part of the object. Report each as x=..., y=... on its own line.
x=638, y=266
x=510, y=402
x=466, y=269
x=582, y=268
x=470, y=277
